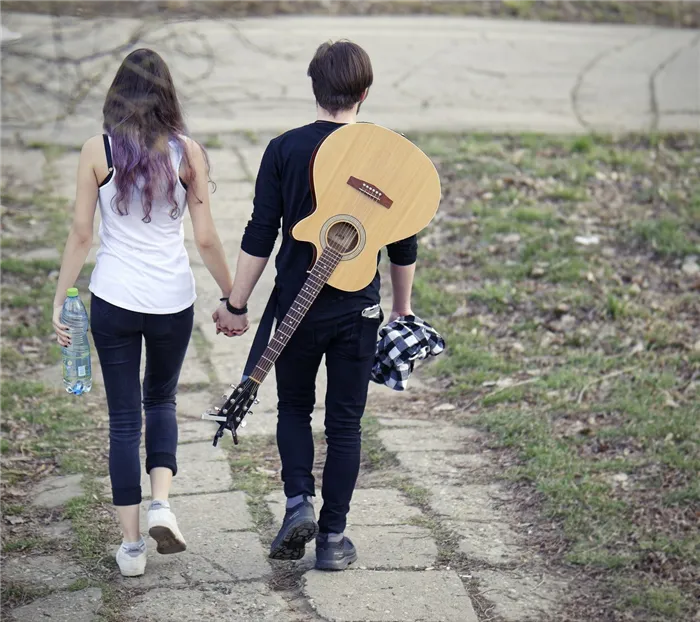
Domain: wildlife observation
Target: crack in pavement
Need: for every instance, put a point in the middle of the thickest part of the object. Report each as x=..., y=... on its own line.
x=653, y=100
x=588, y=67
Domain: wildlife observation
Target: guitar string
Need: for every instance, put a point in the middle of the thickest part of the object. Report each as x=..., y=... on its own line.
x=344, y=227
x=327, y=271
x=324, y=267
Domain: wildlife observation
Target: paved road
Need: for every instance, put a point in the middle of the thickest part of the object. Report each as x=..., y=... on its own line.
x=432, y=73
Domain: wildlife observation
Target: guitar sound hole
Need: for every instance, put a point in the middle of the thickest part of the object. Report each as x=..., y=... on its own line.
x=343, y=237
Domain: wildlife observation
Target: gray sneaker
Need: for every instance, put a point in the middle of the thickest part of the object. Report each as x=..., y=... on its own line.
x=334, y=555
x=298, y=527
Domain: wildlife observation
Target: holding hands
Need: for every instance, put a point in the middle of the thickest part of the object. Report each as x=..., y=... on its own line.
x=229, y=320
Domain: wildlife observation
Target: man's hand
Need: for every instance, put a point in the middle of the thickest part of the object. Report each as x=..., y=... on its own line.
x=228, y=323
x=395, y=314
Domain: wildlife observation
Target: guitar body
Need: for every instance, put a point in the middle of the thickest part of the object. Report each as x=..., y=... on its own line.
x=372, y=186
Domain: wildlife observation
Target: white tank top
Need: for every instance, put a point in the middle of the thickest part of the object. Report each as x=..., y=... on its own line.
x=144, y=266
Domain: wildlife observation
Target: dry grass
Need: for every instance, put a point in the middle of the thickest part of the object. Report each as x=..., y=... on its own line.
x=563, y=273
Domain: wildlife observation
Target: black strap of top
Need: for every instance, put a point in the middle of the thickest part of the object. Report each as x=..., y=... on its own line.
x=108, y=152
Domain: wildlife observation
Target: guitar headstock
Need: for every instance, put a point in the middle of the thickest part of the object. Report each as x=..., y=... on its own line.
x=232, y=408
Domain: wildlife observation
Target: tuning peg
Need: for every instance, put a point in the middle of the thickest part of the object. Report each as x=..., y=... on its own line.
x=243, y=424
x=256, y=401
x=250, y=412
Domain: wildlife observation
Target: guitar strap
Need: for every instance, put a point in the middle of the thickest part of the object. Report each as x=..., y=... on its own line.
x=262, y=335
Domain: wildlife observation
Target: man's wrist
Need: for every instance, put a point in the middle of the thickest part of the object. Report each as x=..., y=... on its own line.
x=234, y=309
x=237, y=301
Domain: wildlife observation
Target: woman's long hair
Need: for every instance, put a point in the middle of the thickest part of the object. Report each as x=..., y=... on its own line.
x=142, y=114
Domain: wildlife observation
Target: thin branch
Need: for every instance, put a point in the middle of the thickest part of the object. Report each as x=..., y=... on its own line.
x=500, y=389
x=606, y=377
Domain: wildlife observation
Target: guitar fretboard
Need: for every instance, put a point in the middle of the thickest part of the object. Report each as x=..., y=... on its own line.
x=317, y=278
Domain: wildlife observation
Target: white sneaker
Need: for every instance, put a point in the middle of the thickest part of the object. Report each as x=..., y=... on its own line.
x=162, y=527
x=131, y=566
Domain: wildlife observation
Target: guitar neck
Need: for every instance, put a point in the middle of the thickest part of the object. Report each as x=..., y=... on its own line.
x=317, y=278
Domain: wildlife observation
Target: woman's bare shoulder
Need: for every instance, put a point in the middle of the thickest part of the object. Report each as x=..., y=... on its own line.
x=93, y=146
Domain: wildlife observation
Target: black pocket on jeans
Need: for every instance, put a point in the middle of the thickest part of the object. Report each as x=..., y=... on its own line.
x=367, y=335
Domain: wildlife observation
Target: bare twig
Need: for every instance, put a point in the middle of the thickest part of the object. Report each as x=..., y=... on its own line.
x=619, y=372
x=500, y=389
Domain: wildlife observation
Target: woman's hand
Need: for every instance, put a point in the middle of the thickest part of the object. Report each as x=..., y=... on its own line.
x=60, y=329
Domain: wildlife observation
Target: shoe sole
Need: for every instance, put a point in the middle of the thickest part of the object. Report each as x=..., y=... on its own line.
x=132, y=573
x=294, y=543
x=167, y=542
x=335, y=564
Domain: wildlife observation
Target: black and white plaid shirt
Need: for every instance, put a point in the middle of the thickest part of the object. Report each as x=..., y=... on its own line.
x=400, y=344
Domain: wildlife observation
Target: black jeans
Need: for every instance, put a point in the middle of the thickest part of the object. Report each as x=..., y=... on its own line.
x=118, y=334
x=349, y=344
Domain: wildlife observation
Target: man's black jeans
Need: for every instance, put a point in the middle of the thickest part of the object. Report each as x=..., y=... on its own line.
x=118, y=334
x=349, y=344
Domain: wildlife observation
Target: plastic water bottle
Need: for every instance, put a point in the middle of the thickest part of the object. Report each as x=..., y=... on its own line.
x=77, y=370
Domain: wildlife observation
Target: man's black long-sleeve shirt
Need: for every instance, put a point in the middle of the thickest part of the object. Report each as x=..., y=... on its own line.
x=283, y=193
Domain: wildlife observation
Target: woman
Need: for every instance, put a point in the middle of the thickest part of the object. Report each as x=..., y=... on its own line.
x=145, y=172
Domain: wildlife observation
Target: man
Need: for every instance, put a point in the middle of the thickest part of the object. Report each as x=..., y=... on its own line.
x=341, y=325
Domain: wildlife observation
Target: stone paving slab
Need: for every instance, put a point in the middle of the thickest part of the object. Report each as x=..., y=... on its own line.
x=419, y=438
x=243, y=602
x=436, y=469
x=217, y=547
x=391, y=547
x=518, y=594
x=400, y=546
x=39, y=571
x=81, y=606
x=389, y=596
x=193, y=371
x=471, y=511
x=369, y=506
x=191, y=404
x=494, y=543
x=25, y=167
x=212, y=556
x=196, y=430
x=201, y=468
x=60, y=530
x=197, y=513
x=264, y=423
x=55, y=491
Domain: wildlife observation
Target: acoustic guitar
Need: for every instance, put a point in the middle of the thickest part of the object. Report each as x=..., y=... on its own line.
x=370, y=186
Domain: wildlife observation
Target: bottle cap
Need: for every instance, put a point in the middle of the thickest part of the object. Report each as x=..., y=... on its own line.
x=72, y=292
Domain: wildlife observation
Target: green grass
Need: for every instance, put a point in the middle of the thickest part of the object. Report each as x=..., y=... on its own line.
x=666, y=236
x=50, y=431
x=213, y=142
x=375, y=455
x=246, y=459
x=606, y=433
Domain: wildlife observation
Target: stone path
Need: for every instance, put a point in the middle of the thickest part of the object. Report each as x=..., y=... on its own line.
x=431, y=73
x=405, y=537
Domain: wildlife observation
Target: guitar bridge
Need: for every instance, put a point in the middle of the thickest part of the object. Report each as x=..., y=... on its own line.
x=371, y=191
